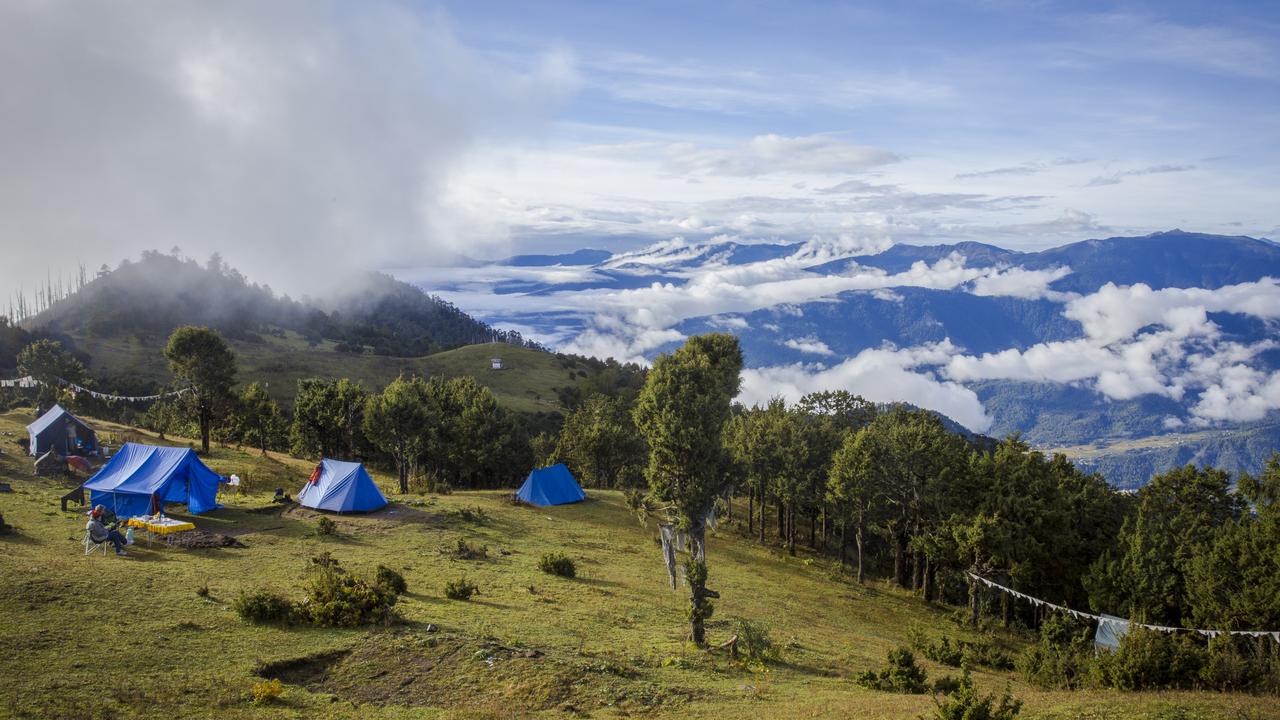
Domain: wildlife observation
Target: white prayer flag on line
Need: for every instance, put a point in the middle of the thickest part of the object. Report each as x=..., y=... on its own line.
x=1275, y=635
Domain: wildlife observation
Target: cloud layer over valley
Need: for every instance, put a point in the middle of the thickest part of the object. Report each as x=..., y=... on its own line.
x=800, y=300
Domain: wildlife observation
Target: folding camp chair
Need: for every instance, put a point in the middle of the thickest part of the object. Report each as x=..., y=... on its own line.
x=90, y=547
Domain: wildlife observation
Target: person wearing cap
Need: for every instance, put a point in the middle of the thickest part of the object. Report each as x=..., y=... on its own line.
x=99, y=532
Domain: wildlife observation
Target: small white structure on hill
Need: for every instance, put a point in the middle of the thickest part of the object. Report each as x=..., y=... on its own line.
x=495, y=363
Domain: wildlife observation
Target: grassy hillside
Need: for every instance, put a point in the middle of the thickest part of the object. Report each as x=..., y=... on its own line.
x=527, y=383
x=130, y=637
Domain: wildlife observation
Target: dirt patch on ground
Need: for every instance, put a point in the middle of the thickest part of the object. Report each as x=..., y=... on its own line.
x=204, y=539
x=391, y=516
x=460, y=673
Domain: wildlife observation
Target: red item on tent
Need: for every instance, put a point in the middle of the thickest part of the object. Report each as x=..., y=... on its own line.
x=315, y=475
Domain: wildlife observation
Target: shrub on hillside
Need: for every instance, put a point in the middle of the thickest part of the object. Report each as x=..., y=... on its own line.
x=326, y=526
x=1241, y=664
x=264, y=607
x=460, y=589
x=985, y=652
x=900, y=675
x=754, y=644
x=558, y=564
x=1149, y=659
x=463, y=550
x=390, y=579
x=338, y=599
x=1062, y=657
x=965, y=703
x=267, y=691
x=943, y=651
x=473, y=514
x=958, y=653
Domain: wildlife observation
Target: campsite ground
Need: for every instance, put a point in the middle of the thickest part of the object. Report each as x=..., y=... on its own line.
x=130, y=637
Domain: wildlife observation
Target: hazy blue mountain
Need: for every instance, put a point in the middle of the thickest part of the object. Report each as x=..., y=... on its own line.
x=833, y=328
x=901, y=257
x=1167, y=259
x=585, y=256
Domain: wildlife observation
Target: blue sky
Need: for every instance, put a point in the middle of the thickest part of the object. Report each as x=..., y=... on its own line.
x=1116, y=117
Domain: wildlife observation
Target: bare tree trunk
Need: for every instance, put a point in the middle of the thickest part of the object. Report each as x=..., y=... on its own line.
x=844, y=542
x=782, y=520
x=973, y=602
x=813, y=530
x=926, y=581
x=699, y=595
x=762, y=512
x=900, y=559
x=858, y=539
x=791, y=531
x=751, y=499
x=917, y=571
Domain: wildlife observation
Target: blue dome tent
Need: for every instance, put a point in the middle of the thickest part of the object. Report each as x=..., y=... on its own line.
x=140, y=479
x=341, y=487
x=551, y=486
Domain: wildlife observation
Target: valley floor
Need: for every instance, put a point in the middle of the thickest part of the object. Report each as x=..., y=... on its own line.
x=107, y=637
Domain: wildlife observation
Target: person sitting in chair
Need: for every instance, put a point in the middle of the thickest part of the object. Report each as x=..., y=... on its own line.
x=107, y=517
x=99, y=533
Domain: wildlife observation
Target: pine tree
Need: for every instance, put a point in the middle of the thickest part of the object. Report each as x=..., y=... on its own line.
x=682, y=412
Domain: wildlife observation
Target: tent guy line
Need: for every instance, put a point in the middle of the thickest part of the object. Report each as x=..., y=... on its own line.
x=1273, y=634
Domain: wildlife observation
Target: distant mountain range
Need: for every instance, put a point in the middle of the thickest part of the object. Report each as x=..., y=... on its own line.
x=1171, y=332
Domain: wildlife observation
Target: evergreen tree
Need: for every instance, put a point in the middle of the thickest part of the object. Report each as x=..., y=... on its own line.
x=1234, y=582
x=855, y=489
x=1175, y=519
x=477, y=441
x=681, y=412
x=200, y=359
x=600, y=443
x=259, y=418
x=328, y=418
x=49, y=362
x=399, y=421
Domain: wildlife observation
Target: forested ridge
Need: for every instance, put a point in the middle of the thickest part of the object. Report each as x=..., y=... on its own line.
x=366, y=312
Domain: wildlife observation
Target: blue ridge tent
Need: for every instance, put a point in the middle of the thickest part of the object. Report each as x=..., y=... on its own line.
x=551, y=486
x=342, y=487
x=62, y=432
x=139, y=479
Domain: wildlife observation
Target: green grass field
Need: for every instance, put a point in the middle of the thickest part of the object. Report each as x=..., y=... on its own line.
x=107, y=637
x=527, y=382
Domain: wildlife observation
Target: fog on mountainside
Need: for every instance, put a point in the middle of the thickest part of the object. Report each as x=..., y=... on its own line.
x=151, y=296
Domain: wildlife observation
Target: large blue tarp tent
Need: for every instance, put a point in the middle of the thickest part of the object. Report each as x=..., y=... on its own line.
x=342, y=487
x=62, y=432
x=551, y=486
x=141, y=478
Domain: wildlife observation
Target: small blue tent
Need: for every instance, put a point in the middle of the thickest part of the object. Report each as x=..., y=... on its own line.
x=342, y=487
x=141, y=478
x=551, y=486
x=62, y=432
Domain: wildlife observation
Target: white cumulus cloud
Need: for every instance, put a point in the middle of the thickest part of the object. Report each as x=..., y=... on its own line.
x=881, y=375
